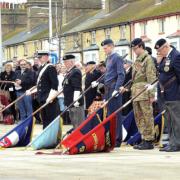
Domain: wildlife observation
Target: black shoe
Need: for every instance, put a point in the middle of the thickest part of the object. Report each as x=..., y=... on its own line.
x=164, y=149
x=136, y=146
x=173, y=149
x=146, y=145
x=118, y=145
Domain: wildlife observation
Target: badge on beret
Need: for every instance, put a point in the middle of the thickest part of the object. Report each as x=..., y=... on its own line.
x=157, y=46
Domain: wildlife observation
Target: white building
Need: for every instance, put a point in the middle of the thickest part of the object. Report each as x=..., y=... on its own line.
x=153, y=28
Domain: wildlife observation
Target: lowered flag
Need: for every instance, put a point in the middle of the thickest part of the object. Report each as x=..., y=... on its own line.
x=158, y=126
x=92, y=121
x=100, y=138
x=50, y=136
x=18, y=136
x=129, y=126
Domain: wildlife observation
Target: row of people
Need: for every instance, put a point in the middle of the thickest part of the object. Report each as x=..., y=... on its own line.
x=144, y=72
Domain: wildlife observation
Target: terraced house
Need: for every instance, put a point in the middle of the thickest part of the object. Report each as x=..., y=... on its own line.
x=120, y=21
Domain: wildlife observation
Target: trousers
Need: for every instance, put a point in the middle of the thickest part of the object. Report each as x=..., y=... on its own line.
x=143, y=114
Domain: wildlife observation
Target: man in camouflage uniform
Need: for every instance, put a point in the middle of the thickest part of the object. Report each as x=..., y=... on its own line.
x=144, y=73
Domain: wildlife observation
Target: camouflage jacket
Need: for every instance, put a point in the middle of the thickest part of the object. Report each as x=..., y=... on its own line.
x=146, y=74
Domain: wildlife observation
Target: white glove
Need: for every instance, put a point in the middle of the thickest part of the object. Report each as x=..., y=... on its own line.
x=76, y=97
x=52, y=94
x=150, y=87
x=94, y=84
x=29, y=91
x=115, y=92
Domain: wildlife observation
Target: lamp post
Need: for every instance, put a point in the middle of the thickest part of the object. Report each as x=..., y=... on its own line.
x=50, y=23
x=1, y=51
x=50, y=20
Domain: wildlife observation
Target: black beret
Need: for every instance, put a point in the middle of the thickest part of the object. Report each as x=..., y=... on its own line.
x=136, y=41
x=106, y=42
x=41, y=53
x=68, y=56
x=90, y=62
x=160, y=43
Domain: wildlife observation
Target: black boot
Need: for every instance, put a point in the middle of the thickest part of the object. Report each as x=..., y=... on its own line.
x=145, y=145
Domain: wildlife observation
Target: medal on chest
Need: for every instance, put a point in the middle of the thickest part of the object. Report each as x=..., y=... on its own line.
x=167, y=65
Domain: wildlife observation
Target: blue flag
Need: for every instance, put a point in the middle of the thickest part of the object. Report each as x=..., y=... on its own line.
x=49, y=138
x=129, y=126
x=18, y=136
x=158, y=126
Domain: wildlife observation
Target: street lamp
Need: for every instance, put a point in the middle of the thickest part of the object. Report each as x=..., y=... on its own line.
x=50, y=20
x=1, y=51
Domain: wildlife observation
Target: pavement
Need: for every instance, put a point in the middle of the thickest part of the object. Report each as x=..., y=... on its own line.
x=121, y=164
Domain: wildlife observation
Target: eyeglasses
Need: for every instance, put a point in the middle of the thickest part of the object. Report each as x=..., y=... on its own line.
x=22, y=64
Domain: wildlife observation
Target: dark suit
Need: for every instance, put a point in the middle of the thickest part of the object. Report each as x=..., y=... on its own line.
x=73, y=82
x=47, y=82
x=169, y=81
x=91, y=94
x=9, y=87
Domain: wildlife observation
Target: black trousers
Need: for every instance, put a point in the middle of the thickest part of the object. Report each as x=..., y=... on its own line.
x=50, y=112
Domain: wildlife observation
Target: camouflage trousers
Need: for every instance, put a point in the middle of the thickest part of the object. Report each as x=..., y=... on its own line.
x=143, y=114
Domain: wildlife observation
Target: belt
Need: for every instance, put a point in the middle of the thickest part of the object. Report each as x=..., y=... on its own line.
x=162, y=87
x=110, y=82
x=140, y=79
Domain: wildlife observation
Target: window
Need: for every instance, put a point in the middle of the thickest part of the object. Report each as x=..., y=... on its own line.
x=178, y=22
x=108, y=33
x=94, y=57
x=63, y=41
x=161, y=25
x=123, y=52
x=93, y=37
x=158, y=2
x=143, y=29
x=75, y=41
x=103, y=4
x=87, y=57
x=15, y=51
x=25, y=50
x=174, y=44
x=36, y=46
x=123, y=32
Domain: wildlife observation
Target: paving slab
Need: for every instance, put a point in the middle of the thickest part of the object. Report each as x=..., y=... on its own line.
x=123, y=163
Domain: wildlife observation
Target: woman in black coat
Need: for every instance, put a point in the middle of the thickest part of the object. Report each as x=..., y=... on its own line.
x=9, y=75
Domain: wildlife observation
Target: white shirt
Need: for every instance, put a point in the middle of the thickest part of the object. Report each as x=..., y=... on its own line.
x=60, y=87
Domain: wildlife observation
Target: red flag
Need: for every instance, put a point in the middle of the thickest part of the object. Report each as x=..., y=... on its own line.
x=101, y=138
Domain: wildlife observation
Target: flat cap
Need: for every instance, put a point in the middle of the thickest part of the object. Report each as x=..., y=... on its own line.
x=41, y=53
x=68, y=57
x=160, y=43
x=90, y=62
x=135, y=42
x=106, y=42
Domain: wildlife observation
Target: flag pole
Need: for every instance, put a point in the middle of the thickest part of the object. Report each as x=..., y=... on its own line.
x=15, y=101
x=117, y=111
x=104, y=104
x=44, y=105
x=84, y=92
x=13, y=82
